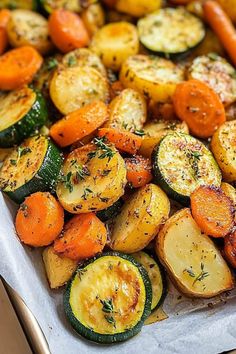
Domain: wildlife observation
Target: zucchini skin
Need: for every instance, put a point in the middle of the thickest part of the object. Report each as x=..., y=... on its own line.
x=109, y=338
x=159, y=180
x=111, y=211
x=46, y=177
x=163, y=277
x=27, y=125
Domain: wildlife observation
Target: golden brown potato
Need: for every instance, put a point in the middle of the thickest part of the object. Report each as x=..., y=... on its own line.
x=140, y=219
x=94, y=18
x=58, y=269
x=26, y=27
x=224, y=149
x=229, y=191
x=137, y=8
x=114, y=43
x=191, y=258
x=128, y=111
x=154, y=77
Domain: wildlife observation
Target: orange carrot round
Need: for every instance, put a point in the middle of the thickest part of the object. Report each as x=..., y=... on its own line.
x=212, y=210
x=222, y=26
x=84, y=236
x=79, y=123
x=122, y=139
x=138, y=171
x=4, y=18
x=18, y=66
x=39, y=219
x=200, y=107
x=67, y=30
x=230, y=248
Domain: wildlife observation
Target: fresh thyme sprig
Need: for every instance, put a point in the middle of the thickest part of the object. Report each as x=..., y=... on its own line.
x=202, y=275
x=101, y=143
x=107, y=307
x=87, y=191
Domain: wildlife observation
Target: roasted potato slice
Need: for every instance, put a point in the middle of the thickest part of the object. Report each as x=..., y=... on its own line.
x=94, y=179
x=114, y=43
x=73, y=87
x=128, y=111
x=155, y=131
x=84, y=57
x=94, y=18
x=58, y=269
x=154, y=77
x=223, y=147
x=216, y=72
x=229, y=191
x=191, y=258
x=26, y=27
x=140, y=219
x=137, y=8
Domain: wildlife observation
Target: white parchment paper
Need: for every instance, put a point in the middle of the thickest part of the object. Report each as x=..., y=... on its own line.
x=193, y=326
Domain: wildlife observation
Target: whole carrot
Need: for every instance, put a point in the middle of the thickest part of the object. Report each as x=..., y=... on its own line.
x=222, y=26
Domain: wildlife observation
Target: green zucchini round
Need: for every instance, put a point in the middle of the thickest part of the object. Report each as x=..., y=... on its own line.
x=171, y=32
x=110, y=212
x=32, y=167
x=26, y=112
x=181, y=163
x=111, y=321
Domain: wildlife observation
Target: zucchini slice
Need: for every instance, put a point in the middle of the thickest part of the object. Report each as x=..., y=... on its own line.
x=154, y=77
x=73, y=87
x=181, y=163
x=112, y=211
x=171, y=32
x=19, y=4
x=191, y=258
x=108, y=298
x=217, y=73
x=33, y=166
x=93, y=178
x=84, y=57
x=27, y=27
x=155, y=274
x=22, y=112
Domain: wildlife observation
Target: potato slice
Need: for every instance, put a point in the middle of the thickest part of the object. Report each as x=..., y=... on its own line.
x=154, y=77
x=73, y=87
x=217, y=73
x=128, y=111
x=114, y=43
x=155, y=131
x=84, y=57
x=223, y=146
x=140, y=219
x=191, y=258
x=137, y=8
x=26, y=27
x=58, y=269
x=92, y=181
x=93, y=18
x=229, y=191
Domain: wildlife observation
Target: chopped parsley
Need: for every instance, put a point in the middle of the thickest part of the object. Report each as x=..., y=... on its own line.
x=71, y=61
x=66, y=180
x=52, y=63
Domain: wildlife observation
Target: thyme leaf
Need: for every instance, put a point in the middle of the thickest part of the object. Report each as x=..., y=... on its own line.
x=87, y=191
x=107, y=305
x=111, y=320
x=52, y=63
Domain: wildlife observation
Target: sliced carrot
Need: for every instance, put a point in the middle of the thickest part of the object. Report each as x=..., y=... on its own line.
x=200, y=107
x=83, y=237
x=4, y=18
x=222, y=26
x=67, y=30
x=79, y=123
x=138, y=171
x=212, y=210
x=122, y=139
x=230, y=248
x=18, y=66
x=39, y=219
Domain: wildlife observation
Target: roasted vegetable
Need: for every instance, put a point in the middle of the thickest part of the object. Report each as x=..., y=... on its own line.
x=114, y=43
x=196, y=266
x=224, y=149
x=141, y=217
x=94, y=18
x=137, y=8
x=154, y=77
x=96, y=304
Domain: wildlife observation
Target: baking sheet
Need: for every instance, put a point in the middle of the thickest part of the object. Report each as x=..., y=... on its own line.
x=193, y=326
